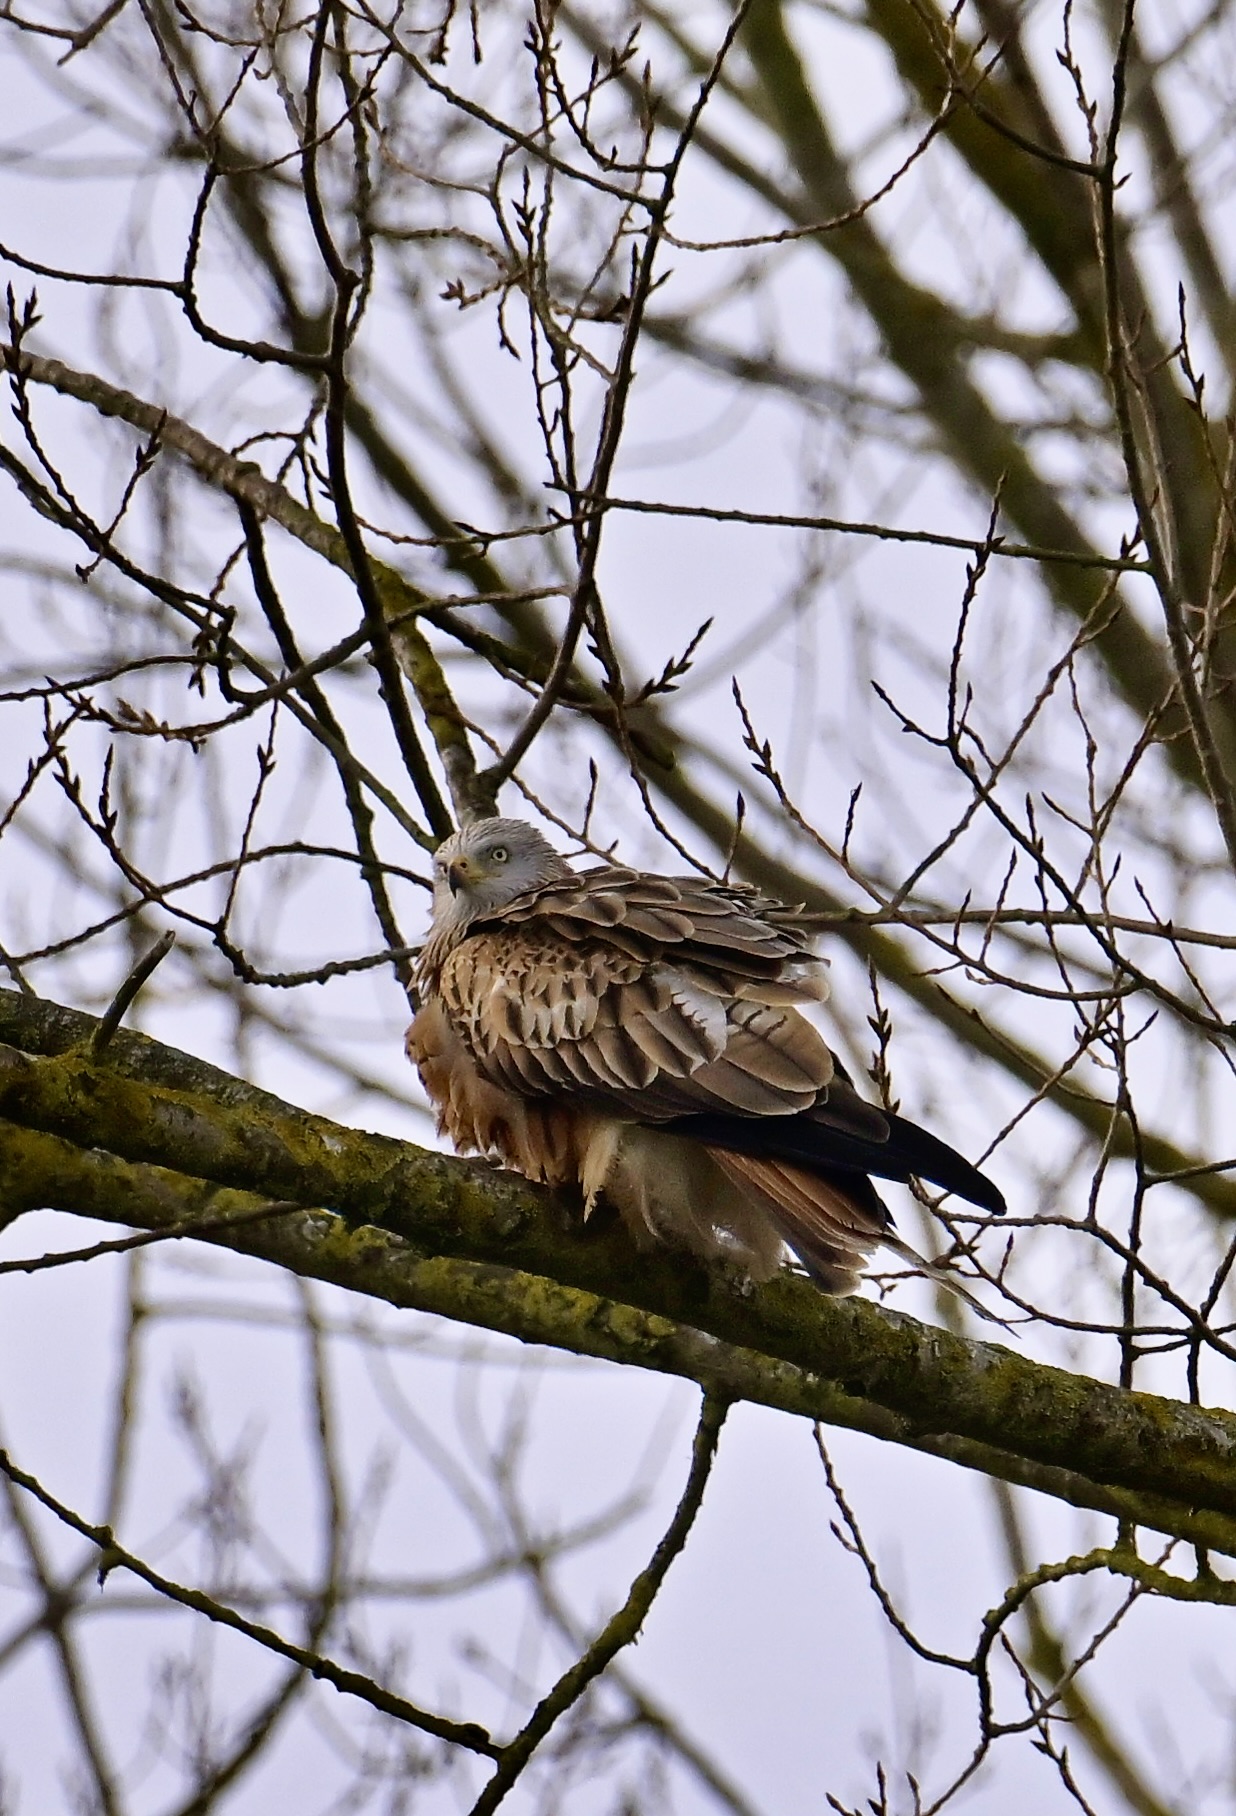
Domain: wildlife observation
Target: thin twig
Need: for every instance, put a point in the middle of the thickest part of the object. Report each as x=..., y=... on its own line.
x=114, y=1556
x=115, y=1013
x=623, y=1628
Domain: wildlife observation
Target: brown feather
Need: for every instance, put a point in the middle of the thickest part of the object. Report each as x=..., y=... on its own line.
x=653, y=1037
x=624, y=1057
x=734, y=1087
x=779, y=1047
x=479, y=1116
x=830, y=1233
x=530, y=1006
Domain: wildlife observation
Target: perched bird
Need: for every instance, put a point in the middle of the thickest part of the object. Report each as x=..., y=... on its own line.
x=640, y=1036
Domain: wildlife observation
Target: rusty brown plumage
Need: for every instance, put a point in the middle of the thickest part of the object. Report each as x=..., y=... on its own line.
x=642, y=1037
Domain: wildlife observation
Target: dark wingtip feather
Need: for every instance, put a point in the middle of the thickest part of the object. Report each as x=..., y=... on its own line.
x=821, y=1141
x=930, y=1158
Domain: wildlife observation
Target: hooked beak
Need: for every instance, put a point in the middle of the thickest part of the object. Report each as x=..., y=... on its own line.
x=456, y=870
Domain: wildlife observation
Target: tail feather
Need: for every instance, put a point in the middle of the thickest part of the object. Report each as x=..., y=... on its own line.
x=829, y=1141
x=832, y=1224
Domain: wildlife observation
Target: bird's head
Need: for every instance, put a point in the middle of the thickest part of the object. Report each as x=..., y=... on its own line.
x=482, y=867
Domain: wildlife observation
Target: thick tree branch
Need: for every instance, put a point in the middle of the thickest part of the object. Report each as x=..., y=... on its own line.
x=156, y=1139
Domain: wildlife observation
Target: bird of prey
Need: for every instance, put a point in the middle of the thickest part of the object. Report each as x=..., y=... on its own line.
x=640, y=1036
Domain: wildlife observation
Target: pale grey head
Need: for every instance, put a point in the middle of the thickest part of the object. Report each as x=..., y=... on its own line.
x=477, y=871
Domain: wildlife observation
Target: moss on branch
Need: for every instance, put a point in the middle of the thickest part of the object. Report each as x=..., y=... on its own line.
x=39, y=1168
x=156, y=1139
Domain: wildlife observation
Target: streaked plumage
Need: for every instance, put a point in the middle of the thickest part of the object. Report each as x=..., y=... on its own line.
x=640, y=1036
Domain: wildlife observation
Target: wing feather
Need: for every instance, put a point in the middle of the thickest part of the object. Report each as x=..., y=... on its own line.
x=729, y=1087
x=654, y=1035
x=650, y=1039
x=779, y=1047
x=542, y=1013
x=715, y=923
x=626, y=1060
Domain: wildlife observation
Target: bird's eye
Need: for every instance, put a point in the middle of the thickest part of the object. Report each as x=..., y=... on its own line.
x=499, y=854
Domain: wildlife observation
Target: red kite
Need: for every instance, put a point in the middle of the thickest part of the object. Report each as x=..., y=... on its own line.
x=639, y=1036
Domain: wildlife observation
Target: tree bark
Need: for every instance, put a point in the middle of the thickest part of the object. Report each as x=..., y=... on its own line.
x=153, y=1139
